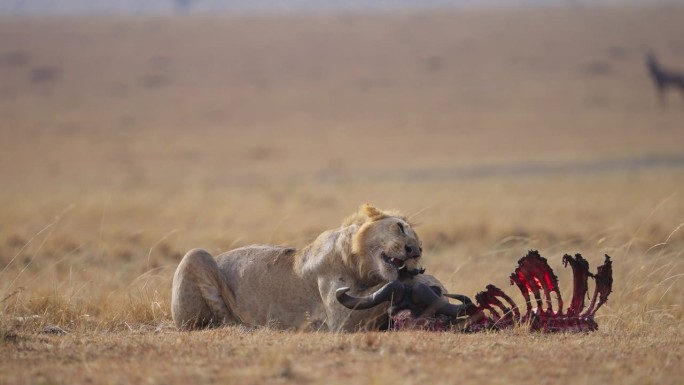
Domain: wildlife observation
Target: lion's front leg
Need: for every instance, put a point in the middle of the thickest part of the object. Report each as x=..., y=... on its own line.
x=200, y=294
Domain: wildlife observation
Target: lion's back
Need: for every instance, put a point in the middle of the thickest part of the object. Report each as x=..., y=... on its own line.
x=255, y=259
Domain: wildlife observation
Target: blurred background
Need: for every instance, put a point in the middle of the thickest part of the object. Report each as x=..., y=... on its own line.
x=133, y=131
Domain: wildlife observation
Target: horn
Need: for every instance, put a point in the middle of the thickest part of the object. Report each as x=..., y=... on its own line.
x=424, y=296
x=393, y=291
x=459, y=297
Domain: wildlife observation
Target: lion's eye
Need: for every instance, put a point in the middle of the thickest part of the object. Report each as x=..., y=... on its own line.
x=401, y=228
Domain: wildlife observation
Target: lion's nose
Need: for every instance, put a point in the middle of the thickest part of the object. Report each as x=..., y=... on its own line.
x=412, y=251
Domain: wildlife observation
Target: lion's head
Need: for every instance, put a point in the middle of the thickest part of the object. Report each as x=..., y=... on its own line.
x=385, y=247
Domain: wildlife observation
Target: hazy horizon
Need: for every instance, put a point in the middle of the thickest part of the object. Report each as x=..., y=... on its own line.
x=160, y=7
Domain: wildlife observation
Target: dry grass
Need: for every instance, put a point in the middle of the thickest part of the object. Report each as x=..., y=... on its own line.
x=125, y=143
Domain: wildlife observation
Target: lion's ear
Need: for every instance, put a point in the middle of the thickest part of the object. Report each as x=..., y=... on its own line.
x=366, y=213
x=372, y=213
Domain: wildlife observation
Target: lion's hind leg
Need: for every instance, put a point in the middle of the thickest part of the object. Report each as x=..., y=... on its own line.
x=200, y=295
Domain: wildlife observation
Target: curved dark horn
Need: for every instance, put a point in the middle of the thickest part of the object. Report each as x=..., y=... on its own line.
x=393, y=291
x=459, y=297
x=424, y=296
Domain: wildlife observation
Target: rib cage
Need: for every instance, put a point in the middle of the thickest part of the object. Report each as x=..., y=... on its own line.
x=537, y=282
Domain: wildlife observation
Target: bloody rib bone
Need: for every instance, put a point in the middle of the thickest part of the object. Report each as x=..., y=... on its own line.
x=534, y=275
x=580, y=274
x=604, y=286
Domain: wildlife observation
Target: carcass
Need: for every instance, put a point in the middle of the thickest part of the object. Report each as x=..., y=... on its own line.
x=421, y=307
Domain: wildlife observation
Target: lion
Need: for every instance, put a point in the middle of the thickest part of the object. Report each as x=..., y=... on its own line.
x=287, y=288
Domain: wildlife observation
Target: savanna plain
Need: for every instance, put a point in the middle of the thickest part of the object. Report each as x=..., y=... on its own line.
x=125, y=142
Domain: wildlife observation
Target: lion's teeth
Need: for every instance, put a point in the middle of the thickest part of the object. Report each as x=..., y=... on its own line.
x=401, y=267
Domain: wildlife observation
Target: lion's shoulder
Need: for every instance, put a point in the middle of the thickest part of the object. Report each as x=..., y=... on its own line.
x=327, y=252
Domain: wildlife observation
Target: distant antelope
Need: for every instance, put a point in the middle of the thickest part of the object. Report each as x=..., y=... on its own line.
x=664, y=78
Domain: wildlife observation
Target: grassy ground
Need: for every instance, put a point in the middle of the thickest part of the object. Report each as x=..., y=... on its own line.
x=124, y=143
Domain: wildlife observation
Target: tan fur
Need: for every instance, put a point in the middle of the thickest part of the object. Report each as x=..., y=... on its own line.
x=262, y=285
